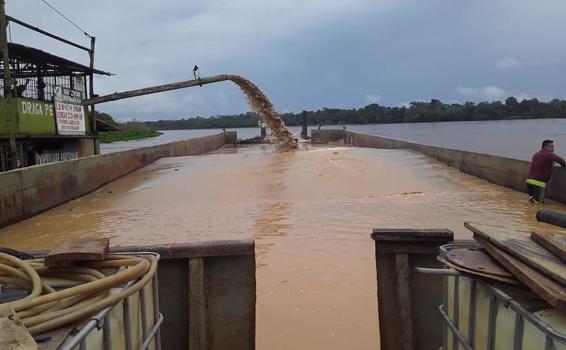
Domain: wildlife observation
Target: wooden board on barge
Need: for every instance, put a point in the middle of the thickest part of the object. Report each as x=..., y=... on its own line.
x=78, y=250
x=556, y=244
x=549, y=290
x=523, y=248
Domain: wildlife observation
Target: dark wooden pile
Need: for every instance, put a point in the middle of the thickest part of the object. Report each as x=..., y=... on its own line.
x=537, y=261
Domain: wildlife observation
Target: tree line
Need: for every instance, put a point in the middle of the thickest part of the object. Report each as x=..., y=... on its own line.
x=415, y=112
x=132, y=130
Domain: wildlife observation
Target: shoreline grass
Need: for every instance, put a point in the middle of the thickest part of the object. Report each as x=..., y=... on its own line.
x=115, y=136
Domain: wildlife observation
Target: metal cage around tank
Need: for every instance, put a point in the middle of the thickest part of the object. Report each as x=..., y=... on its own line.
x=116, y=326
x=469, y=301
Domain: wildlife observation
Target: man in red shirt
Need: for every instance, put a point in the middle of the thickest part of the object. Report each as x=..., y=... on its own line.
x=541, y=169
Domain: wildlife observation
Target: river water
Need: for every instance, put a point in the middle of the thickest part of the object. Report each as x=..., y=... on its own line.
x=518, y=139
x=310, y=212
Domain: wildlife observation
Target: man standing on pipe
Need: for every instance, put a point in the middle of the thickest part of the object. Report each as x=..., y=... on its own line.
x=196, y=72
x=541, y=169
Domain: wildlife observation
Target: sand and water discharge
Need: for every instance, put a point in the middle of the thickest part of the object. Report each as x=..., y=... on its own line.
x=257, y=100
x=259, y=103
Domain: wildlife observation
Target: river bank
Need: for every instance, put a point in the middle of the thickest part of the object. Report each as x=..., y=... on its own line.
x=116, y=136
x=516, y=139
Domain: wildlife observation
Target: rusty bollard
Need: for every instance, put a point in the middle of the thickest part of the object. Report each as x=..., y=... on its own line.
x=408, y=301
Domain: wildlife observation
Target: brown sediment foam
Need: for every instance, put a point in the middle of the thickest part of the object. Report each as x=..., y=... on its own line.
x=260, y=104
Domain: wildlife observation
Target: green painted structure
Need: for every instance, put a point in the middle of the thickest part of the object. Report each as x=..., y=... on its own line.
x=38, y=141
x=32, y=118
x=42, y=119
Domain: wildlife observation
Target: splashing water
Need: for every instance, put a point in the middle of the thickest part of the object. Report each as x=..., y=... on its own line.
x=259, y=103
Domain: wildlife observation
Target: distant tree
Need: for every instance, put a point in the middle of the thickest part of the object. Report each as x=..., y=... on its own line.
x=417, y=111
x=511, y=102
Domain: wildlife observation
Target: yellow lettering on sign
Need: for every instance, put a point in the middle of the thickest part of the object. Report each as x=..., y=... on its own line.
x=36, y=108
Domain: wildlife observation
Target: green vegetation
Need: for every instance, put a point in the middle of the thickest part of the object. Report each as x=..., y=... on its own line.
x=416, y=112
x=133, y=130
x=112, y=136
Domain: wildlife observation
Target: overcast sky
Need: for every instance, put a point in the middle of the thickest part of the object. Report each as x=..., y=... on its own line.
x=306, y=55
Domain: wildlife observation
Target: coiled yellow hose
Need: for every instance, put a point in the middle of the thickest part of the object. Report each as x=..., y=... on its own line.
x=44, y=309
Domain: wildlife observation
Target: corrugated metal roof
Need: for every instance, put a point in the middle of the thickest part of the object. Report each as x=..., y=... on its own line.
x=54, y=63
x=102, y=125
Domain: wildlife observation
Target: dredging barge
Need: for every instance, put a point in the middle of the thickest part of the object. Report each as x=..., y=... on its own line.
x=214, y=284
x=207, y=291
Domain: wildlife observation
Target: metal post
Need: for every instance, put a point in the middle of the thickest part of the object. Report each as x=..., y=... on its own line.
x=455, y=310
x=8, y=84
x=143, y=313
x=263, y=132
x=472, y=313
x=518, y=338
x=107, y=333
x=4, y=47
x=93, y=130
x=491, y=322
x=445, y=305
x=304, y=132
x=127, y=323
x=156, y=314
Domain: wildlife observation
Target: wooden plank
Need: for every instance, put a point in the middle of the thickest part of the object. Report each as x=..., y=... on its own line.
x=412, y=235
x=556, y=244
x=78, y=250
x=549, y=290
x=524, y=249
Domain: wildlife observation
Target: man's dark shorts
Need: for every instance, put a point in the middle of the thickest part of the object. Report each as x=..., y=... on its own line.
x=536, y=193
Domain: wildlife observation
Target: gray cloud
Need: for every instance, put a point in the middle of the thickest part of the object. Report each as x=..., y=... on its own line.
x=509, y=62
x=489, y=93
x=312, y=54
x=373, y=98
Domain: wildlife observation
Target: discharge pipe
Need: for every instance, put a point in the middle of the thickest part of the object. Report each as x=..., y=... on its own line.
x=553, y=217
x=258, y=101
x=154, y=89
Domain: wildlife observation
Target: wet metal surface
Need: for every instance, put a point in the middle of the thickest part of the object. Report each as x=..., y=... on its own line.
x=311, y=213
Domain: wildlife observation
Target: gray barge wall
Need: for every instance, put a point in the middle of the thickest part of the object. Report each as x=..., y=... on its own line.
x=207, y=294
x=28, y=191
x=408, y=316
x=507, y=172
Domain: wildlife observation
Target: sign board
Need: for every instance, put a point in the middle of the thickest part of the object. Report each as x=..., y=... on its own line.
x=54, y=156
x=69, y=113
x=35, y=117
